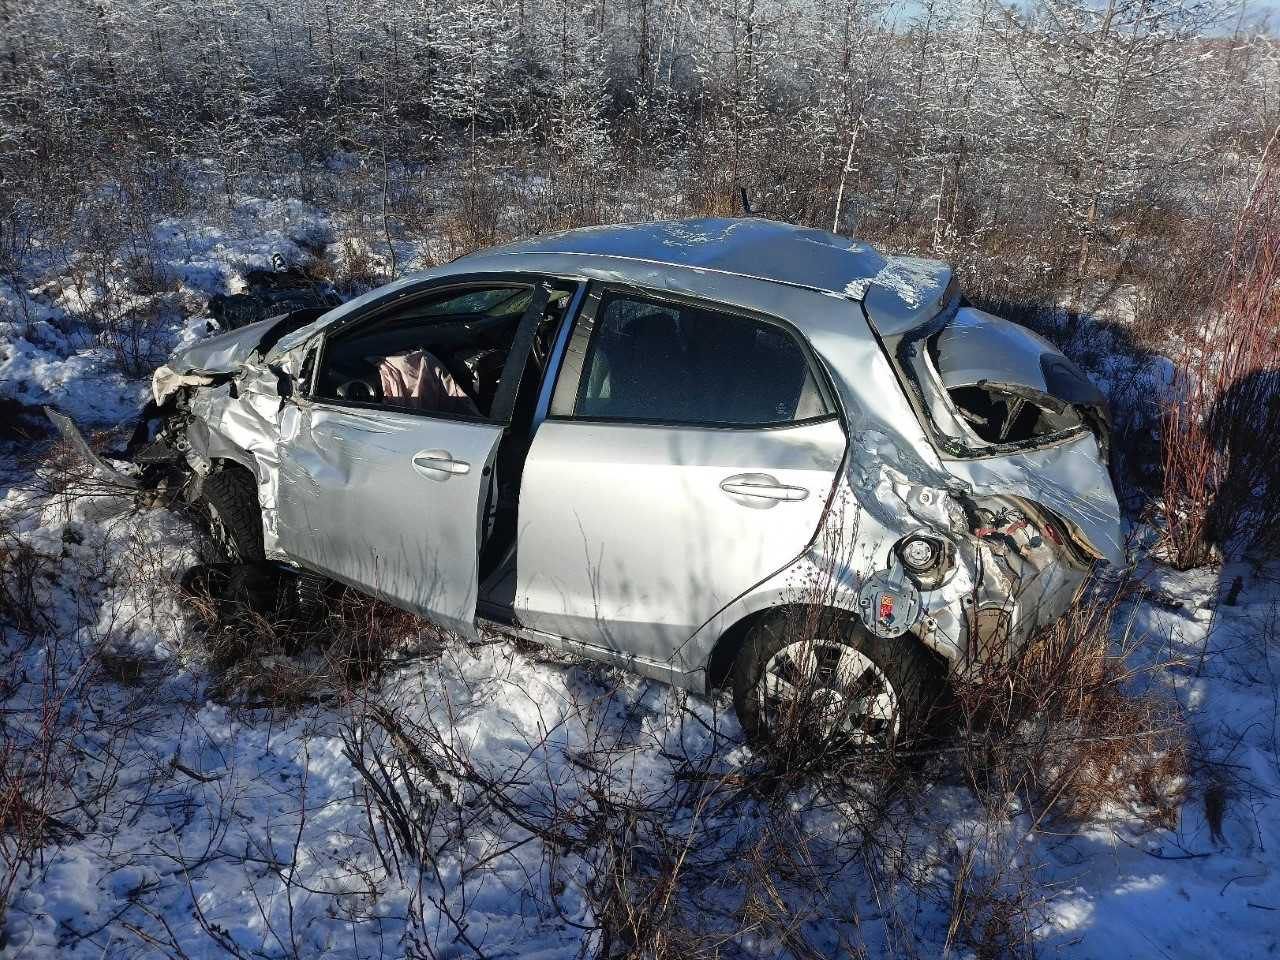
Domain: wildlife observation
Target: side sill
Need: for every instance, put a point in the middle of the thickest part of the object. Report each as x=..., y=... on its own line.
x=652, y=669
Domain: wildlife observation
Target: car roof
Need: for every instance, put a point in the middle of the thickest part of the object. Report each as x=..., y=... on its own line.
x=748, y=247
x=898, y=292
x=748, y=261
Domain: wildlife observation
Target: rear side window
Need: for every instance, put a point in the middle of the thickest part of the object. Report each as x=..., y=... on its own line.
x=664, y=362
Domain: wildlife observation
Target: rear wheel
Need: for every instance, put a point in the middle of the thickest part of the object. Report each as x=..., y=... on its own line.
x=825, y=682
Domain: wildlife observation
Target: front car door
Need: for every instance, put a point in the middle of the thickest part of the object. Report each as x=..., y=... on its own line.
x=688, y=454
x=385, y=466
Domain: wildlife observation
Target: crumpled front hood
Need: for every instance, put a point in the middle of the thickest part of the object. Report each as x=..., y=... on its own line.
x=224, y=352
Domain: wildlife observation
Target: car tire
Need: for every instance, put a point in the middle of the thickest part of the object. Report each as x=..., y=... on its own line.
x=229, y=501
x=826, y=682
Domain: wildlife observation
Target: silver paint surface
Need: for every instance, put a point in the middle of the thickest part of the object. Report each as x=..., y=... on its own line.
x=977, y=347
x=223, y=352
x=627, y=540
x=354, y=505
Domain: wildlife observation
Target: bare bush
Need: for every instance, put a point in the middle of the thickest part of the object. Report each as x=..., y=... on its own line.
x=1221, y=473
x=21, y=569
x=1065, y=723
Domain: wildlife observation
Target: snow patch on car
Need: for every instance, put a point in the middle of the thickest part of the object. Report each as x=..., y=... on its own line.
x=913, y=280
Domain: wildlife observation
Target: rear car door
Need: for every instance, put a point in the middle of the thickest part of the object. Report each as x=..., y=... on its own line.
x=385, y=467
x=688, y=453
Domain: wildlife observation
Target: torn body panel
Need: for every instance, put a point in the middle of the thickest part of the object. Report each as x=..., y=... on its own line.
x=239, y=420
x=1010, y=415
x=1068, y=478
x=71, y=434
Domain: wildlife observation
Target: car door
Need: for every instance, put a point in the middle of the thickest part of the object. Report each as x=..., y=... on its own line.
x=688, y=453
x=383, y=485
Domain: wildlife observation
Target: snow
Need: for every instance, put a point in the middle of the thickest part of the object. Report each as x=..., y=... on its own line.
x=206, y=826
x=56, y=349
x=913, y=280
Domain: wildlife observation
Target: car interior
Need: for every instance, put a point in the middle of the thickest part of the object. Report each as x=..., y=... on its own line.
x=458, y=339
x=445, y=356
x=1001, y=416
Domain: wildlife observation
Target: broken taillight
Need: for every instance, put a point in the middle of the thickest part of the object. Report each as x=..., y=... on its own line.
x=886, y=607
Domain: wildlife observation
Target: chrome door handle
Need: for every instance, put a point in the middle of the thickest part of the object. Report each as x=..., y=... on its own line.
x=761, y=486
x=439, y=464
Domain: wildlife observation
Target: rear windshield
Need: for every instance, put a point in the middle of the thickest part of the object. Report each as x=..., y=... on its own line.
x=984, y=385
x=1001, y=413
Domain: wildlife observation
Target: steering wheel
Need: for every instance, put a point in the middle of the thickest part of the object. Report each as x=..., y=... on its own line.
x=358, y=390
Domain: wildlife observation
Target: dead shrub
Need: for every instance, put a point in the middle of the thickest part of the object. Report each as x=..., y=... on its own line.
x=991, y=912
x=312, y=645
x=41, y=757
x=1065, y=724
x=21, y=569
x=125, y=667
x=367, y=633
x=1221, y=473
x=1174, y=287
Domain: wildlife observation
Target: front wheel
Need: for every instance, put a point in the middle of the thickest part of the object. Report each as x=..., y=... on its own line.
x=242, y=581
x=823, y=682
x=229, y=503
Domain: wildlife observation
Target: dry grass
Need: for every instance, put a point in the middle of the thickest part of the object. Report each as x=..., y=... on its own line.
x=1066, y=725
x=292, y=657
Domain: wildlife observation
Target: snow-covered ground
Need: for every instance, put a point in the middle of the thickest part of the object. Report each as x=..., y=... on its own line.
x=190, y=824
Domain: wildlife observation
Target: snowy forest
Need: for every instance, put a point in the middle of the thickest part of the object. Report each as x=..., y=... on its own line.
x=1077, y=141
x=1106, y=172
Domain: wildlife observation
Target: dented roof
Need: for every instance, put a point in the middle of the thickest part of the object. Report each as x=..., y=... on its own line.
x=746, y=261
x=898, y=293
x=748, y=247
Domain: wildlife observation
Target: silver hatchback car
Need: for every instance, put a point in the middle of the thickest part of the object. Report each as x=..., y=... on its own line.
x=722, y=453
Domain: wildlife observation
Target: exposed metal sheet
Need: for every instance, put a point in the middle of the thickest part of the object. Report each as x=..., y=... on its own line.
x=239, y=421
x=223, y=352
x=1069, y=478
x=976, y=347
x=71, y=433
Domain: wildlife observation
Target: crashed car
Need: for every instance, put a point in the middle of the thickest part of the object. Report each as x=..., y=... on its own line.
x=655, y=445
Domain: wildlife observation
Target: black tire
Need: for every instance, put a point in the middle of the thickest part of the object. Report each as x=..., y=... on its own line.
x=245, y=582
x=229, y=501
x=913, y=672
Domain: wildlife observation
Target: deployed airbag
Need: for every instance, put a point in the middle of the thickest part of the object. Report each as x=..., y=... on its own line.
x=419, y=380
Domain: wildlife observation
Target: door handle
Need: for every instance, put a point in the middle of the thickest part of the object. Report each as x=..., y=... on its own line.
x=439, y=464
x=761, y=486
